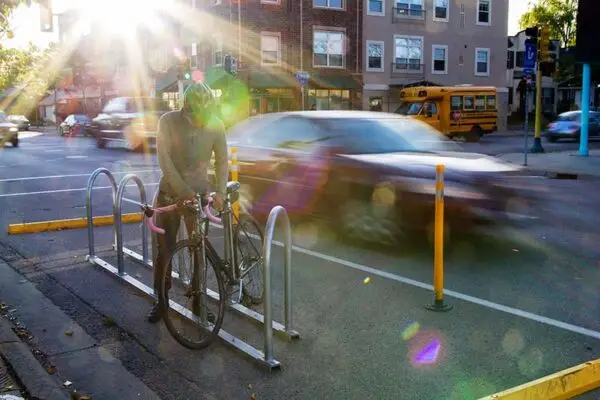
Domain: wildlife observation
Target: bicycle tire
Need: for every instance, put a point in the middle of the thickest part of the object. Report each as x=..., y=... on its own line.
x=217, y=266
x=255, y=297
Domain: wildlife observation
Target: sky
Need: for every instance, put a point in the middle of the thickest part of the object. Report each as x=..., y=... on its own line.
x=25, y=22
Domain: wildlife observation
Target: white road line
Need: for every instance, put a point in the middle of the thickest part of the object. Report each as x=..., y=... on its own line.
x=450, y=293
x=68, y=190
x=32, y=178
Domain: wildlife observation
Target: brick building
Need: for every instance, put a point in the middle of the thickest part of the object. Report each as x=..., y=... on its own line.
x=280, y=38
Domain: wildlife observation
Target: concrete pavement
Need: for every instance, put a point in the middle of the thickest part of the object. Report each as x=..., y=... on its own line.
x=353, y=334
x=566, y=164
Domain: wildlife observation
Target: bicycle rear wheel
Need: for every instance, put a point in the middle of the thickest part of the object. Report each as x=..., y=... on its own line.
x=248, y=239
x=184, y=295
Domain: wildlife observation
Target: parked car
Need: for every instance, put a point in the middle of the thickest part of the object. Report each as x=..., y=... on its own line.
x=9, y=132
x=75, y=125
x=568, y=126
x=129, y=120
x=372, y=173
x=20, y=120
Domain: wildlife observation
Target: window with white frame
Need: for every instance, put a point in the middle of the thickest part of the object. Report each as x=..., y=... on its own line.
x=375, y=7
x=408, y=53
x=328, y=49
x=439, y=59
x=484, y=12
x=270, y=1
x=482, y=62
x=217, y=50
x=410, y=8
x=440, y=10
x=375, y=55
x=339, y=4
x=270, y=48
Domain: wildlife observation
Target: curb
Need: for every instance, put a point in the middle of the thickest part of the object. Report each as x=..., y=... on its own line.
x=73, y=223
x=30, y=373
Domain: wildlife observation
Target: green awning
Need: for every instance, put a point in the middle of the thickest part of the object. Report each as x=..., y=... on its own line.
x=335, y=82
x=267, y=80
x=218, y=78
x=167, y=82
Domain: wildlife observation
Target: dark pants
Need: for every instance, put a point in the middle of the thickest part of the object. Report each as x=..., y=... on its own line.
x=166, y=243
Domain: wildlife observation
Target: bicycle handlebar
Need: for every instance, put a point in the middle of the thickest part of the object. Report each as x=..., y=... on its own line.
x=149, y=212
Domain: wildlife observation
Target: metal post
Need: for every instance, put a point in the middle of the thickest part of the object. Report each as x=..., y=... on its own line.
x=118, y=201
x=537, y=141
x=526, y=124
x=235, y=177
x=268, y=318
x=438, y=261
x=88, y=205
x=585, y=111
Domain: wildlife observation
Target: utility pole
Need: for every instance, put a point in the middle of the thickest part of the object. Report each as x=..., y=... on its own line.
x=542, y=52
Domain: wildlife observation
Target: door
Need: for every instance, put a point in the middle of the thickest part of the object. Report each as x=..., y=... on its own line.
x=431, y=114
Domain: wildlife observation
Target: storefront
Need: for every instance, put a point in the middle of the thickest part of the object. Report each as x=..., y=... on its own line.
x=335, y=92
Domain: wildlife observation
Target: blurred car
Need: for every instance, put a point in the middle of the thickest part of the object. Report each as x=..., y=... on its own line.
x=20, y=120
x=129, y=120
x=568, y=126
x=9, y=132
x=75, y=125
x=372, y=173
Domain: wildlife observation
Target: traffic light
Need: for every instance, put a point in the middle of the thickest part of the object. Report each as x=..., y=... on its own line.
x=230, y=64
x=46, y=16
x=544, y=43
x=532, y=34
x=185, y=70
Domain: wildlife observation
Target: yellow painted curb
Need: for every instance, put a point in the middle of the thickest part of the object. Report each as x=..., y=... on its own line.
x=565, y=384
x=74, y=223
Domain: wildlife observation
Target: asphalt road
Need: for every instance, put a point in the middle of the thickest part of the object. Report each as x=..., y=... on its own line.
x=526, y=300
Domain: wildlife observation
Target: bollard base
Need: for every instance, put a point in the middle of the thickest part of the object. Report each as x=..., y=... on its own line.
x=537, y=146
x=439, y=306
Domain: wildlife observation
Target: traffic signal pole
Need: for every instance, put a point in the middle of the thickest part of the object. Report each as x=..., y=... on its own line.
x=537, y=141
x=585, y=110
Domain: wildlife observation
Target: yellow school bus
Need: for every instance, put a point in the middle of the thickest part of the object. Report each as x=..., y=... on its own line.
x=466, y=112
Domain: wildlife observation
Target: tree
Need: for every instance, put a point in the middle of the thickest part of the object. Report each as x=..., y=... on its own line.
x=559, y=15
x=6, y=9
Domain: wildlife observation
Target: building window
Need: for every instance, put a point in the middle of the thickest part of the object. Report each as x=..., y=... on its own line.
x=439, y=59
x=440, y=10
x=510, y=60
x=410, y=9
x=408, y=53
x=375, y=56
x=324, y=99
x=520, y=59
x=376, y=7
x=328, y=49
x=218, y=50
x=484, y=12
x=338, y=4
x=482, y=62
x=270, y=1
x=270, y=48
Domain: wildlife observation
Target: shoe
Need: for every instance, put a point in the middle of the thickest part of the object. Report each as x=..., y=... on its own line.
x=155, y=314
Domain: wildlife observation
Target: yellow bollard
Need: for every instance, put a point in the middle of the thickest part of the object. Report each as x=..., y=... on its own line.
x=235, y=177
x=438, y=257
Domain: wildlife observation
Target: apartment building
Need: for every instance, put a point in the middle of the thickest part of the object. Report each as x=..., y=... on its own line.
x=432, y=42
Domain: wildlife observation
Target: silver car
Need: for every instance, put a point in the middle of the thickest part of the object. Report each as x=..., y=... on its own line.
x=9, y=132
x=20, y=120
x=568, y=126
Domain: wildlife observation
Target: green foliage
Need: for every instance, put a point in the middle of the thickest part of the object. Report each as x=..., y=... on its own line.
x=559, y=15
x=6, y=9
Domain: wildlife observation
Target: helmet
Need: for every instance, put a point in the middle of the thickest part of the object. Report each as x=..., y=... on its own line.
x=197, y=99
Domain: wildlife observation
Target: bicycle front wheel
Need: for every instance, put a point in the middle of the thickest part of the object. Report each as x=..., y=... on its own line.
x=193, y=294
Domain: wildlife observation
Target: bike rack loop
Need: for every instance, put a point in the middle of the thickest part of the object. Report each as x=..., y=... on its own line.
x=118, y=202
x=88, y=206
x=267, y=244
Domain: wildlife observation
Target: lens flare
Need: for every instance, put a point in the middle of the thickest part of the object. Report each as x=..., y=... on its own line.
x=429, y=353
x=410, y=331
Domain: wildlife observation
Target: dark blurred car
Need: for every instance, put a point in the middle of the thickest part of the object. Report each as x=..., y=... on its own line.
x=568, y=126
x=75, y=125
x=129, y=120
x=9, y=132
x=372, y=173
x=20, y=120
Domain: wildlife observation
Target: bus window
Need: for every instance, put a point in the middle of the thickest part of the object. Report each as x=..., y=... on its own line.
x=480, y=103
x=469, y=100
x=491, y=103
x=456, y=103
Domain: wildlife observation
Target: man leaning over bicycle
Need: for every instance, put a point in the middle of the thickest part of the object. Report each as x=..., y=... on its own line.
x=187, y=139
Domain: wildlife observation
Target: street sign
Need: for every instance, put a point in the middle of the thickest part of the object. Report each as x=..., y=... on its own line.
x=302, y=78
x=530, y=56
x=528, y=72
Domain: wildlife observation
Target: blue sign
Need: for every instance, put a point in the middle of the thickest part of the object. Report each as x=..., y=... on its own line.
x=302, y=78
x=528, y=71
x=530, y=56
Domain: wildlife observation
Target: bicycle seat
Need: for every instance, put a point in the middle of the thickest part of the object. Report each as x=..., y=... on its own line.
x=232, y=187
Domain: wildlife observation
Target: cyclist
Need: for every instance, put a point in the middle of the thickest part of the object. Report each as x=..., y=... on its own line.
x=186, y=141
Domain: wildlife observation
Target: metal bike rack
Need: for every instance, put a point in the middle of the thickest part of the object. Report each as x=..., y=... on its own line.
x=266, y=358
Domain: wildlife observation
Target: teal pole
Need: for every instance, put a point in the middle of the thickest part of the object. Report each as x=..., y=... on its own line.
x=585, y=111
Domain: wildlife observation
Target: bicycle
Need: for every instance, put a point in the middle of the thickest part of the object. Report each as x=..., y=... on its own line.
x=234, y=269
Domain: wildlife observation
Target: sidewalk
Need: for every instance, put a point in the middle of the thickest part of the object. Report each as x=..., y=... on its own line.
x=567, y=164
x=52, y=355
